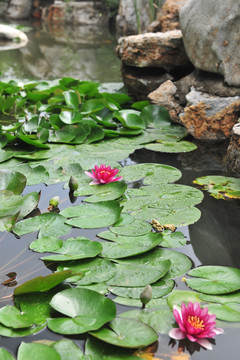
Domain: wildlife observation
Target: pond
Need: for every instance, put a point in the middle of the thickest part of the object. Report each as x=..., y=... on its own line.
x=213, y=240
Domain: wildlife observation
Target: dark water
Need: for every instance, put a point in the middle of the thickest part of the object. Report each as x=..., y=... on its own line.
x=213, y=240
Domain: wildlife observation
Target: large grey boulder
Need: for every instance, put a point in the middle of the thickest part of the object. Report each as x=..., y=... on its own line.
x=19, y=9
x=211, y=36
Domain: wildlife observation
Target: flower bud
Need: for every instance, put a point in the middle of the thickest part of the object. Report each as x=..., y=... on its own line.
x=73, y=184
x=146, y=295
x=54, y=201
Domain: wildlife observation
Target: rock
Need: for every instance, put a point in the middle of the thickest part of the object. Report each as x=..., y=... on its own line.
x=165, y=96
x=164, y=50
x=210, y=118
x=12, y=38
x=19, y=9
x=75, y=13
x=127, y=18
x=168, y=16
x=233, y=152
x=211, y=36
x=140, y=82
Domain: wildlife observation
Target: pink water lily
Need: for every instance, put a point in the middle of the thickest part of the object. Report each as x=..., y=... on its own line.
x=103, y=175
x=195, y=324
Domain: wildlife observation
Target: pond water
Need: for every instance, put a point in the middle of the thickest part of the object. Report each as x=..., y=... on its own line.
x=214, y=240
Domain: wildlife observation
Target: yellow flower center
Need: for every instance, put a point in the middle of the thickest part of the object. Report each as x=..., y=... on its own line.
x=104, y=171
x=196, y=322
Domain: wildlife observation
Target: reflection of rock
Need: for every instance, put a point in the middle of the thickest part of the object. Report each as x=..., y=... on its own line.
x=206, y=157
x=164, y=50
x=211, y=36
x=11, y=38
x=168, y=16
x=75, y=13
x=233, y=152
x=215, y=237
x=210, y=117
x=126, y=21
x=19, y=9
x=141, y=81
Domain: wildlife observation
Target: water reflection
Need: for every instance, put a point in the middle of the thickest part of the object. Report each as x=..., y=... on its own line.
x=56, y=51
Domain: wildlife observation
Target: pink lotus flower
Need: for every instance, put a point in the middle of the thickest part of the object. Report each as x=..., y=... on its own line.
x=194, y=323
x=103, y=175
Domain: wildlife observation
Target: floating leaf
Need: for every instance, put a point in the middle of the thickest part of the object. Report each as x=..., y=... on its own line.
x=95, y=270
x=75, y=248
x=12, y=181
x=5, y=355
x=159, y=289
x=127, y=333
x=151, y=173
x=105, y=192
x=47, y=224
x=226, y=312
x=136, y=228
x=220, y=187
x=10, y=332
x=68, y=350
x=42, y=283
x=221, y=299
x=129, y=246
x=214, y=279
x=87, y=309
x=46, y=244
x=11, y=317
x=172, y=146
x=132, y=275
x=177, y=297
x=29, y=351
x=180, y=263
x=97, y=215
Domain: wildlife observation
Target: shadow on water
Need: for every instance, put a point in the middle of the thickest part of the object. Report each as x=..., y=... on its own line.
x=213, y=240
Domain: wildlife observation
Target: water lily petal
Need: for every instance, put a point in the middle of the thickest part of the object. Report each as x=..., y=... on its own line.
x=177, y=334
x=205, y=343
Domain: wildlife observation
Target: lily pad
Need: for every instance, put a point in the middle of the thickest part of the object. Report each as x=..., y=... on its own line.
x=5, y=355
x=42, y=283
x=226, y=312
x=129, y=246
x=136, y=228
x=177, y=297
x=171, y=146
x=47, y=224
x=220, y=187
x=159, y=289
x=46, y=244
x=151, y=173
x=127, y=333
x=29, y=351
x=12, y=181
x=95, y=270
x=87, y=310
x=132, y=275
x=180, y=263
x=68, y=350
x=104, y=192
x=75, y=248
x=101, y=214
x=10, y=332
x=214, y=279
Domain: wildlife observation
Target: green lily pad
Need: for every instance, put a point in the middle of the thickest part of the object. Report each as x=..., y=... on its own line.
x=132, y=275
x=75, y=248
x=104, y=192
x=136, y=228
x=173, y=239
x=87, y=309
x=12, y=181
x=220, y=187
x=10, y=205
x=5, y=355
x=180, y=217
x=155, y=304
x=99, y=350
x=46, y=244
x=129, y=246
x=68, y=350
x=42, y=283
x=180, y=263
x=171, y=146
x=47, y=224
x=159, y=289
x=124, y=220
x=177, y=297
x=11, y=317
x=130, y=119
x=160, y=320
x=91, y=216
x=36, y=175
x=95, y=270
x=127, y=333
x=214, y=279
x=101, y=288
x=221, y=299
x=151, y=173
x=226, y=312
x=10, y=332
x=29, y=351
